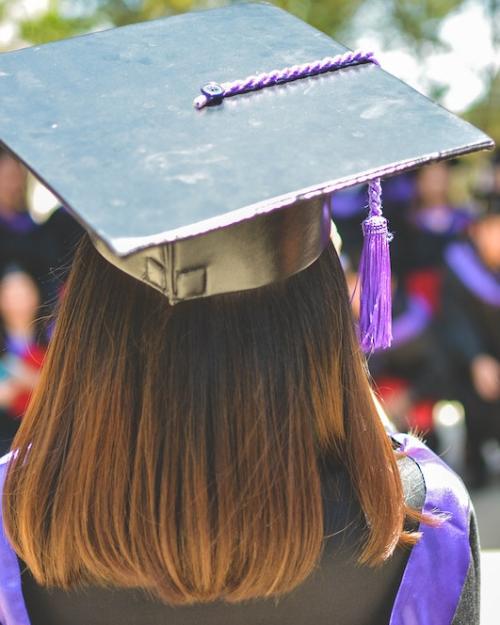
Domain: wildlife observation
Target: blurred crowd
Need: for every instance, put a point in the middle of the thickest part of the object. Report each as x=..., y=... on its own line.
x=446, y=302
x=33, y=260
x=446, y=297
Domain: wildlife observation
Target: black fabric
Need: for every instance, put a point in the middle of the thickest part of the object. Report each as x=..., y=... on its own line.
x=419, y=361
x=8, y=429
x=45, y=251
x=339, y=592
x=468, y=610
x=420, y=249
x=470, y=327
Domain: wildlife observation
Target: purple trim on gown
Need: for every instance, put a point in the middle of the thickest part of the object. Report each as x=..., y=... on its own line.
x=442, y=220
x=17, y=346
x=12, y=607
x=348, y=202
x=437, y=568
x=20, y=223
x=463, y=260
x=412, y=322
x=433, y=579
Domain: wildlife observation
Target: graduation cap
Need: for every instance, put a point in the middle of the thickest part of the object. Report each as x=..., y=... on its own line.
x=201, y=193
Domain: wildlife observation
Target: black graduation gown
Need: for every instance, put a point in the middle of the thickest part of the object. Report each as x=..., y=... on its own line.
x=469, y=327
x=339, y=592
x=43, y=250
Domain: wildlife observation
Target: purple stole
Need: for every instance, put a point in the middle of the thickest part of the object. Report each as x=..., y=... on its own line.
x=463, y=260
x=437, y=568
x=19, y=223
x=442, y=220
x=434, y=576
x=412, y=322
x=12, y=607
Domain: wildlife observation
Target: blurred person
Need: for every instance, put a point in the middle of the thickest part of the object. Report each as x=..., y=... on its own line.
x=13, y=183
x=431, y=224
x=471, y=330
x=22, y=345
x=44, y=249
x=17, y=228
x=411, y=375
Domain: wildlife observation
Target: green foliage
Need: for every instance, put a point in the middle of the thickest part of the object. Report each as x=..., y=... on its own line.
x=67, y=18
x=52, y=26
x=327, y=15
x=59, y=22
x=3, y=8
x=419, y=21
x=485, y=113
x=121, y=12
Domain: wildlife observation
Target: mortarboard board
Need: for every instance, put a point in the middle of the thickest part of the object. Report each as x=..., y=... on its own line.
x=230, y=197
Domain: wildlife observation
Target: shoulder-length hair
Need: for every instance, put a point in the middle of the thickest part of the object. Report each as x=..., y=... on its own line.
x=180, y=448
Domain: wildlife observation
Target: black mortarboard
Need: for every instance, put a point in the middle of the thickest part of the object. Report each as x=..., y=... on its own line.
x=230, y=197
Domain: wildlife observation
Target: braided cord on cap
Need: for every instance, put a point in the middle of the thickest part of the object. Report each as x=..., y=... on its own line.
x=214, y=93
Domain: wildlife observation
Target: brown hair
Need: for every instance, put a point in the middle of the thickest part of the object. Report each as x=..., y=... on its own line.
x=179, y=449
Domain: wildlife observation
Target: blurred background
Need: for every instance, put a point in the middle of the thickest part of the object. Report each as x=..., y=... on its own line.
x=442, y=375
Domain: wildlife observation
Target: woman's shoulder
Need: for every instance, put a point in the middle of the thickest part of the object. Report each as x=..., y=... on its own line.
x=12, y=606
x=4, y=460
x=413, y=482
x=418, y=464
x=448, y=529
x=4, y=464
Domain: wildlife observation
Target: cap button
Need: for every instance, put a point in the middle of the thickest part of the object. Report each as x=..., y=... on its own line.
x=213, y=92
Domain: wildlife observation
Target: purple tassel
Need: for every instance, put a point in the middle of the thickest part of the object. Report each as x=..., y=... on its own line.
x=375, y=321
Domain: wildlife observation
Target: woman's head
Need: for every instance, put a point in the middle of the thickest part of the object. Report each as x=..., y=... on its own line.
x=432, y=184
x=13, y=181
x=485, y=233
x=19, y=300
x=180, y=448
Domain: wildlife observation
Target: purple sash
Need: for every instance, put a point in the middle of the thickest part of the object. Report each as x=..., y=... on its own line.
x=412, y=322
x=435, y=574
x=432, y=583
x=463, y=260
x=20, y=223
x=442, y=220
x=12, y=607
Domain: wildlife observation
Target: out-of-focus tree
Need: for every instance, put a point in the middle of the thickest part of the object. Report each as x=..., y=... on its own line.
x=66, y=18
x=331, y=16
x=52, y=25
x=486, y=112
x=412, y=26
x=418, y=22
